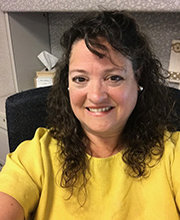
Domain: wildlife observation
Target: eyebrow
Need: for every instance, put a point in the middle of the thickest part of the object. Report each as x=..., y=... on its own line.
x=78, y=70
x=106, y=71
x=122, y=68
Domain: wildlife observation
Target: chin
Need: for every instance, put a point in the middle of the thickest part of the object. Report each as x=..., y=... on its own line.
x=102, y=131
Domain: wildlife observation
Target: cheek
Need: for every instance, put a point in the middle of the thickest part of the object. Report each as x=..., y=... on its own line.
x=76, y=98
x=126, y=97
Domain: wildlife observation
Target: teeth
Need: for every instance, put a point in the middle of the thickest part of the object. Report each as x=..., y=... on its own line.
x=99, y=109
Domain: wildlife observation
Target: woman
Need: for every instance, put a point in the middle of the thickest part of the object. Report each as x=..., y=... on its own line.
x=107, y=153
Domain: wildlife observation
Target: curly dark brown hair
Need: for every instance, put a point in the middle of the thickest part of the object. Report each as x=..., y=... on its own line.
x=144, y=131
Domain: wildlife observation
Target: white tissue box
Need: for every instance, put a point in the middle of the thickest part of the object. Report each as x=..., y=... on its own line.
x=44, y=78
x=45, y=73
x=43, y=81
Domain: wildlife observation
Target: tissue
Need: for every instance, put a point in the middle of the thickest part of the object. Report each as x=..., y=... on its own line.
x=48, y=59
x=45, y=77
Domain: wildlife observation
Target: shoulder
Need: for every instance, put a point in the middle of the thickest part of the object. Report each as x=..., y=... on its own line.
x=32, y=158
x=28, y=168
x=172, y=160
x=172, y=140
x=172, y=148
x=42, y=134
x=42, y=147
x=42, y=138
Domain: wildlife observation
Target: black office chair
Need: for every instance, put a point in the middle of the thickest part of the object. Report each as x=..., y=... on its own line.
x=26, y=111
x=176, y=97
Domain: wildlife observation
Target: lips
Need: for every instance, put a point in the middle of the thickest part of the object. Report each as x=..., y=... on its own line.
x=97, y=110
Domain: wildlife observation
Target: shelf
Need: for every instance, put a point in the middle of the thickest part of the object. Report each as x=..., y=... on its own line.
x=87, y=5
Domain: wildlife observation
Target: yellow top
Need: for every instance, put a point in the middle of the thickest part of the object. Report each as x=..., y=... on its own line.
x=31, y=176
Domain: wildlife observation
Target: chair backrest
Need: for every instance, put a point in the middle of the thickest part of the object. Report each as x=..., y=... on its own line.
x=25, y=112
x=176, y=97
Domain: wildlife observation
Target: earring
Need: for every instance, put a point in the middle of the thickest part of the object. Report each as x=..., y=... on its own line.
x=140, y=88
x=68, y=88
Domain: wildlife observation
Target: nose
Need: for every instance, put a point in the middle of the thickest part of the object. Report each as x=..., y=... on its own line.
x=97, y=93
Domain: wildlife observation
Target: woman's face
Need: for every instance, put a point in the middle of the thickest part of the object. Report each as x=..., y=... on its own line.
x=103, y=92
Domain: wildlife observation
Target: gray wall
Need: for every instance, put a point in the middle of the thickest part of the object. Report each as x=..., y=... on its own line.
x=161, y=27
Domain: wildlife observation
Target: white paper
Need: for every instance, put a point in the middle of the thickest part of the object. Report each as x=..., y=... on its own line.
x=47, y=59
x=44, y=81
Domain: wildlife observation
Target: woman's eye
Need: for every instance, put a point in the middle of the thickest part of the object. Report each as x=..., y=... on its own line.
x=78, y=79
x=115, y=78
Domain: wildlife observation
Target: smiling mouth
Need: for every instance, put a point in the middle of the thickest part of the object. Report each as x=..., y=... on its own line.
x=104, y=109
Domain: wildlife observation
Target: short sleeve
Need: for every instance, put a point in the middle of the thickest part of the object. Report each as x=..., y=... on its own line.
x=23, y=173
x=175, y=167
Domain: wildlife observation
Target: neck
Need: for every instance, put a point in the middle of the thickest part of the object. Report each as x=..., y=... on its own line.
x=102, y=147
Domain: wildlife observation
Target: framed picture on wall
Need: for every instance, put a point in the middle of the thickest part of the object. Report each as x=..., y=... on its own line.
x=174, y=64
